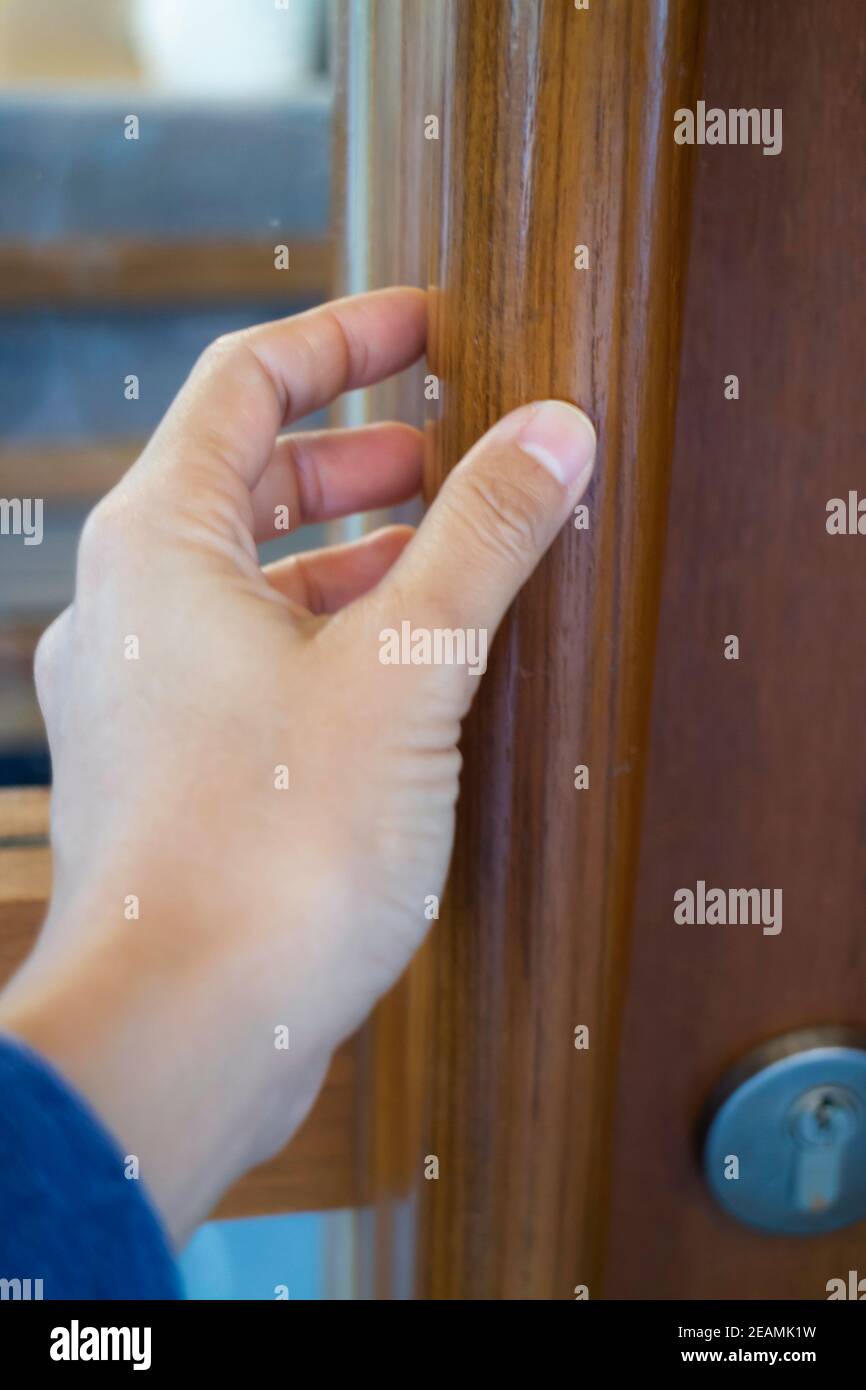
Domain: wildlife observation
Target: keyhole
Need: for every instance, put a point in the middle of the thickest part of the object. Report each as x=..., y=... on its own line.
x=824, y=1120
x=827, y=1116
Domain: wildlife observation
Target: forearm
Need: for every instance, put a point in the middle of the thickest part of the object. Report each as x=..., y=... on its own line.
x=170, y=1060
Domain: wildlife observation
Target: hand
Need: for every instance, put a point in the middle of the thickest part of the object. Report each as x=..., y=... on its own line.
x=250, y=806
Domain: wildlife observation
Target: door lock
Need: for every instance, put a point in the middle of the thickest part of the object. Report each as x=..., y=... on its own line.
x=784, y=1137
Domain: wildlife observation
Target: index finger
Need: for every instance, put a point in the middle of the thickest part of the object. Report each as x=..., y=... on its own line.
x=247, y=386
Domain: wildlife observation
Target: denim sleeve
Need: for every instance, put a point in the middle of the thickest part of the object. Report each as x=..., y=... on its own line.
x=71, y=1222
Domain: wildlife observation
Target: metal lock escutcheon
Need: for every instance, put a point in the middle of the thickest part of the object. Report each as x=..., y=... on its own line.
x=784, y=1135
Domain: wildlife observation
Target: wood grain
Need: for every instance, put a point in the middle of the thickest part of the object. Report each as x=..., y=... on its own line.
x=559, y=134
x=554, y=132
x=319, y=1170
x=25, y=872
x=757, y=766
x=402, y=58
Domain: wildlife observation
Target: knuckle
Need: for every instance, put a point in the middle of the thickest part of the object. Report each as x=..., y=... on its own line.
x=102, y=539
x=45, y=659
x=218, y=349
x=93, y=533
x=236, y=356
x=436, y=607
x=308, y=479
x=42, y=663
x=507, y=514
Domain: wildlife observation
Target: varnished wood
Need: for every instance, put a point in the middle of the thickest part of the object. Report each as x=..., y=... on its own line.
x=757, y=767
x=319, y=1169
x=23, y=815
x=102, y=271
x=560, y=134
x=60, y=473
x=25, y=872
x=556, y=129
x=403, y=52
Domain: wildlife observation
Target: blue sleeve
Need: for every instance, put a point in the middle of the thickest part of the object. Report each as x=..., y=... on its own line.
x=68, y=1215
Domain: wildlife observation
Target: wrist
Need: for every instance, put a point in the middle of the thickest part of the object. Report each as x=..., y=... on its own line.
x=171, y=1053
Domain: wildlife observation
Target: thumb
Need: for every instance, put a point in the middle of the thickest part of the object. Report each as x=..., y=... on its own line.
x=495, y=516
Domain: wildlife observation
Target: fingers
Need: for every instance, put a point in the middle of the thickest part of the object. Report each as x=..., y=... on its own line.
x=249, y=385
x=494, y=518
x=323, y=581
x=317, y=476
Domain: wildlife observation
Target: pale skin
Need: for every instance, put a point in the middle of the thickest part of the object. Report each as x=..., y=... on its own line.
x=261, y=907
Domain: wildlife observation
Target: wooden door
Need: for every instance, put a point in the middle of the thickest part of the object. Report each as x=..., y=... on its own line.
x=757, y=771
x=498, y=142
x=499, y=139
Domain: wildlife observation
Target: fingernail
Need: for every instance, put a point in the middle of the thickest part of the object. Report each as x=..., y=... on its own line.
x=561, y=438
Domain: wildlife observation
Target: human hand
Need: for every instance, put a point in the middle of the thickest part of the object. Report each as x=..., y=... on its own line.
x=184, y=679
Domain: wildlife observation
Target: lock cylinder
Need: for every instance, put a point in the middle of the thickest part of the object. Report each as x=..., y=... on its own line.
x=784, y=1134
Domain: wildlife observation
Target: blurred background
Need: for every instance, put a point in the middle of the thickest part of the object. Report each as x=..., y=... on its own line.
x=122, y=258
